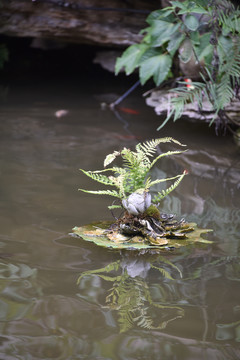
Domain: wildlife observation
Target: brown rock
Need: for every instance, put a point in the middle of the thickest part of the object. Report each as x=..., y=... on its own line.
x=104, y=22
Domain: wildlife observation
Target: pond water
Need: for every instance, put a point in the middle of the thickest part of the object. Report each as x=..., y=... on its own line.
x=124, y=305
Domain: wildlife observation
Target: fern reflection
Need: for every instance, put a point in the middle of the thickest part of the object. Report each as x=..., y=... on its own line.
x=131, y=296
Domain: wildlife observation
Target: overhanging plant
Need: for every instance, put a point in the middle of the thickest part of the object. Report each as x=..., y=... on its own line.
x=206, y=32
x=141, y=225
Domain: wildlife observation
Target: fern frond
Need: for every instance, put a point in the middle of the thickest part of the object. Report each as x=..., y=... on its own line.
x=168, y=153
x=150, y=147
x=95, y=175
x=130, y=158
x=147, y=184
x=110, y=157
x=161, y=195
x=119, y=183
x=157, y=181
x=230, y=21
x=182, y=97
x=102, y=192
x=115, y=169
x=224, y=92
x=229, y=73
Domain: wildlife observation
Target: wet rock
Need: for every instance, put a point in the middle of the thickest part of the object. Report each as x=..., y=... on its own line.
x=161, y=101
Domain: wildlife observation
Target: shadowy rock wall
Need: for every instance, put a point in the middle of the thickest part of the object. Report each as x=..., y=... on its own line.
x=99, y=22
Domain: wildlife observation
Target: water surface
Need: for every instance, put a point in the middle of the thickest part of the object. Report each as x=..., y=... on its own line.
x=130, y=309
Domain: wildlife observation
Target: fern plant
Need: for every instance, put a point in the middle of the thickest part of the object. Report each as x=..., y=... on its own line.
x=206, y=31
x=132, y=181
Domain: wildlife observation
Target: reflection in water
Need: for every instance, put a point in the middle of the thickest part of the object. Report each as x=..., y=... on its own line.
x=130, y=294
x=165, y=305
x=43, y=313
x=18, y=289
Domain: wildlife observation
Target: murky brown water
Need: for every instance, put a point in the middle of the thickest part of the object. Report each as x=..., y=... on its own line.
x=133, y=311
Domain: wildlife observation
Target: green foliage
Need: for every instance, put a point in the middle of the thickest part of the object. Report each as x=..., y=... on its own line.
x=134, y=175
x=205, y=31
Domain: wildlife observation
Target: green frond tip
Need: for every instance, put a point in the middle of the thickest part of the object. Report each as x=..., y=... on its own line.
x=162, y=194
x=151, y=145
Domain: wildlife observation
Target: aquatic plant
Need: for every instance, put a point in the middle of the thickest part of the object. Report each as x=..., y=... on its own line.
x=141, y=226
x=133, y=179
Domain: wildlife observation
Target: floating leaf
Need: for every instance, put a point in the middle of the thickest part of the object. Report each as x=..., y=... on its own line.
x=99, y=234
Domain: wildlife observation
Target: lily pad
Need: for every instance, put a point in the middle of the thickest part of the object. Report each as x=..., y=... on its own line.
x=99, y=234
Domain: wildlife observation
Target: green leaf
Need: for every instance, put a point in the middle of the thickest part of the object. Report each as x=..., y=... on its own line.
x=166, y=14
x=162, y=31
x=225, y=46
x=156, y=66
x=191, y=22
x=194, y=36
x=197, y=10
x=130, y=58
x=204, y=50
x=178, y=4
x=175, y=42
x=151, y=52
